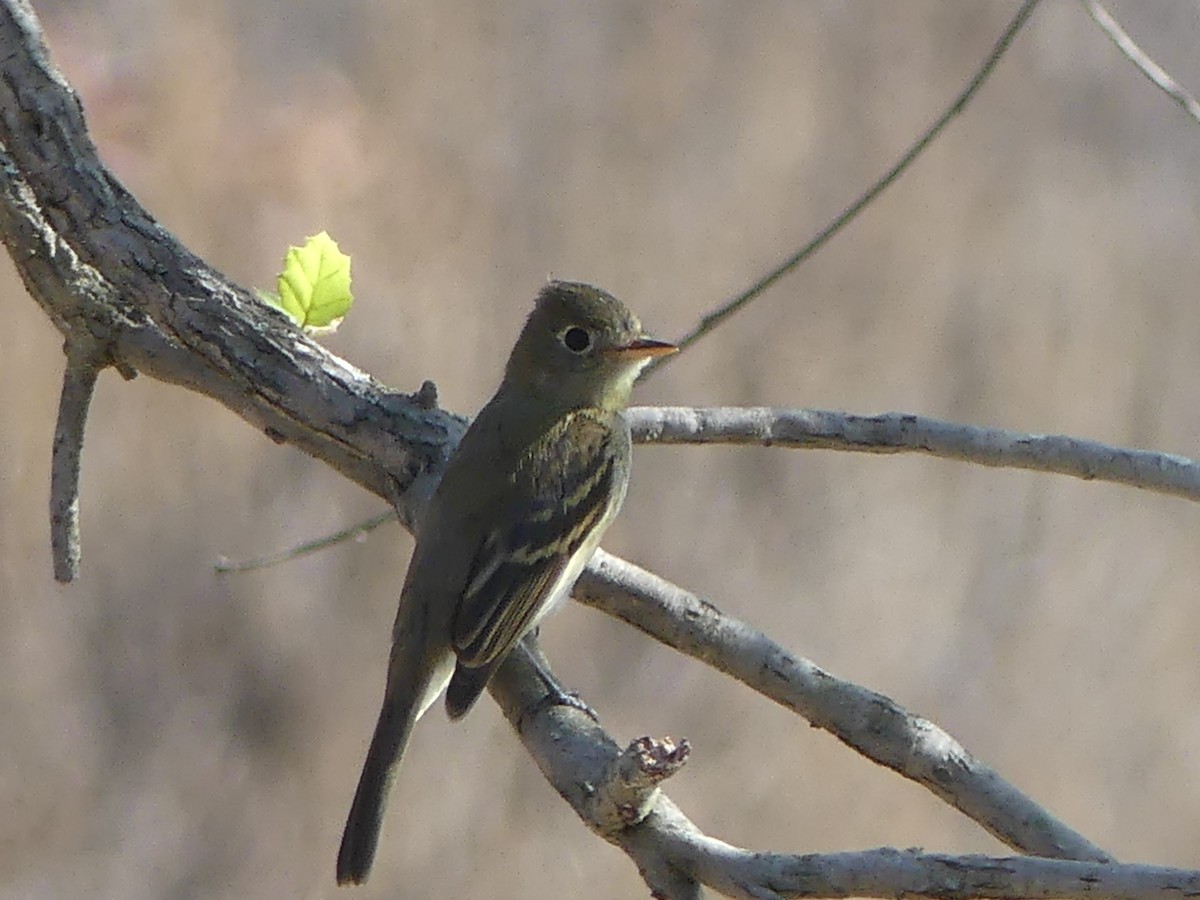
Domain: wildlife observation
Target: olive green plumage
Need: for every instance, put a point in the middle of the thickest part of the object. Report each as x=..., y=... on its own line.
x=524, y=501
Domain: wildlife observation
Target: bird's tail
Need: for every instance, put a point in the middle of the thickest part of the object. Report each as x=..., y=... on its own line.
x=361, y=836
x=417, y=675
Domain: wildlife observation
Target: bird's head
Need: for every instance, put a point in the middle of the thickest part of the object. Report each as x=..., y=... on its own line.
x=581, y=347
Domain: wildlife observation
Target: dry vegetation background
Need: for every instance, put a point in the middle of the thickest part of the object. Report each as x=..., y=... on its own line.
x=167, y=732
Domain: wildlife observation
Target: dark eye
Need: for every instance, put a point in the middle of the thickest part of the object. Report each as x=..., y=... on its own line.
x=576, y=339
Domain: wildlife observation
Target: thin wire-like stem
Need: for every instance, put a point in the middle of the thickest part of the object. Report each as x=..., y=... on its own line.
x=1136, y=55
x=723, y=312
x=263, y=562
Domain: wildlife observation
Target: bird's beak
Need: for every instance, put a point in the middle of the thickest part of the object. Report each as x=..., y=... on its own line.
x=643, y=348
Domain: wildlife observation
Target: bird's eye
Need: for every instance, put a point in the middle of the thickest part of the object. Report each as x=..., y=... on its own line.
x=576, y=339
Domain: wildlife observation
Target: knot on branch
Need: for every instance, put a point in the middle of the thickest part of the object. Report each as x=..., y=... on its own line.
x=427, y=395
x=628, y=790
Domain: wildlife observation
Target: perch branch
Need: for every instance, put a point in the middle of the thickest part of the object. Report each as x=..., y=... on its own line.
x=677, y=859
x=864, y=720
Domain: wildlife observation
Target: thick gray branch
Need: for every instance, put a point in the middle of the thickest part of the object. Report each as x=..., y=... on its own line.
x=100, y=266
x=907, y=433
x=871, y=723
x=676, y=859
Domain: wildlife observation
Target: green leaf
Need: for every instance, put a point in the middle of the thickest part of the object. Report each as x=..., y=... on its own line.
x=314, y=287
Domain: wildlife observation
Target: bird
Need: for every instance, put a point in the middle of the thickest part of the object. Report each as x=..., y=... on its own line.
x=537, y=478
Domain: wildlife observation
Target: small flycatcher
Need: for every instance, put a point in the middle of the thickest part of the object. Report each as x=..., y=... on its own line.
x=524, y=501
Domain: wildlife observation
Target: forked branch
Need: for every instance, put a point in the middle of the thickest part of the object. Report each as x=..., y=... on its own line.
x=677, y=860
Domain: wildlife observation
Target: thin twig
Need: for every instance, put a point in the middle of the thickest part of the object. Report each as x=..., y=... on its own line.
x=1136, y=55
x=246, y=565
x=723, y=312
x=1163, y=473
x=79, y=381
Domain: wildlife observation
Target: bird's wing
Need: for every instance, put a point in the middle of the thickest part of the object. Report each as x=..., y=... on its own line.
x=577, y=473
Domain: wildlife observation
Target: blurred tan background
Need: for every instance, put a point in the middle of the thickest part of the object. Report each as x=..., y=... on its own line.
x=168, y=732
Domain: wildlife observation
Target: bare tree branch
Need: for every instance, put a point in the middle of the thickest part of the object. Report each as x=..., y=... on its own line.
x=870, y=723
x=100, y=265
x=677, y=859
x=906, y=433
x=727, y=309
x=1136, y=55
